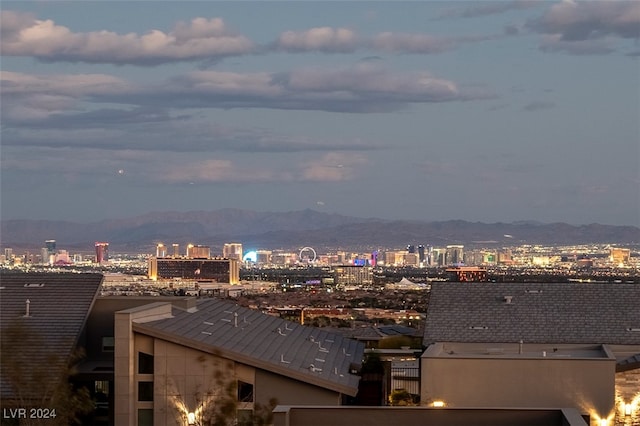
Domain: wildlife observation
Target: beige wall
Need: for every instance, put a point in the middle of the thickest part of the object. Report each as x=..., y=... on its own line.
x=188, y=380
x=291, y=392
x=586, y=384
x=420, y=416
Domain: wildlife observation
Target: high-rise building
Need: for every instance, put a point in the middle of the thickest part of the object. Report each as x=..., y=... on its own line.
x=232, y=251
x=454, y=255
x=8, y=254
x=102, y=252
x=421, y=253
x=620, y=256
x=219, y=270
x=161, y=250
x=50, y=246
x=263, y=257
x=175, y=250
x=198, y=252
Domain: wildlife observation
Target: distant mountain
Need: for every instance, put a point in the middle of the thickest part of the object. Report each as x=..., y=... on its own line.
x=291, y=230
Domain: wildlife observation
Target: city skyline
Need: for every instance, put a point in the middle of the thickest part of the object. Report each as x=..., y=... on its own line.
x=491, y=112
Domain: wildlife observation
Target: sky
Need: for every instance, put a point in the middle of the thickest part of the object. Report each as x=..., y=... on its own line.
x=482, y=111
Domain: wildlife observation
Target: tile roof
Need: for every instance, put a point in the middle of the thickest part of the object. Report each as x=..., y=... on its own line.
x=600, y=313
x=59, y=304
x=311, y=355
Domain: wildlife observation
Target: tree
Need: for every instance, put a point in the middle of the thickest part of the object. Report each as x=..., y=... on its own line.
x=220, y=399
x=36, y=378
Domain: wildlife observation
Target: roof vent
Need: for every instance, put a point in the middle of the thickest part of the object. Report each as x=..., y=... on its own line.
x=508, y=299
x=28, y=303
x=478, y=327
x=633, y=329
x=34, y=285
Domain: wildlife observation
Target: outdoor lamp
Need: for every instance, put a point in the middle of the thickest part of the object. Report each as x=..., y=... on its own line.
x=627, y=409
x=191, y=418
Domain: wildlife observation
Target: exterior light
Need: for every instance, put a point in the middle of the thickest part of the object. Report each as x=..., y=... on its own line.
x=438, y=404
x=627, y=409
x=604, y=422
x=191, y=418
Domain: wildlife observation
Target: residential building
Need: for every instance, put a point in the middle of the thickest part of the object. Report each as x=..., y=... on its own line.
x=170, y=362
x=535, y=345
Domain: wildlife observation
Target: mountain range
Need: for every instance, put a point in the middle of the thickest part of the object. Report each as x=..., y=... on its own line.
x=293, y=230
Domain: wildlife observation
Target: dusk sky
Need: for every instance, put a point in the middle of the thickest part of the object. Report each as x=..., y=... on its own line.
x=482, y=111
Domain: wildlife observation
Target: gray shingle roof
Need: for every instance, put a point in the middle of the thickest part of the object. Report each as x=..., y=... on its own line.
x=308, y=354
x=59, y=306
x=600, y=313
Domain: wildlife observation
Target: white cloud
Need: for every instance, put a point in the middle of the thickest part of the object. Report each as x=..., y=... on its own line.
x=201, y=39
x=585, y=27
x=322, y=39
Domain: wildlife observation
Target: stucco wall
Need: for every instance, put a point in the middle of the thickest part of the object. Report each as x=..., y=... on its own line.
x=586, y=384
x=291, y=392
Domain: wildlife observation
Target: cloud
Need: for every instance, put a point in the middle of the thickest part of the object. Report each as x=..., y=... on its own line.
x=364, y=87
x=85, y=165
x=589, y=20
x=538, y=105
x=411, y=43
x=555, y=43
x=321, y=39
x=333, y=167
x=200, y=39
x=488, y=8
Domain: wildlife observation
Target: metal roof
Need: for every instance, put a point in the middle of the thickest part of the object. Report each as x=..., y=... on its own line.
x=601, y=313
x=308, y=354
x=59, y=304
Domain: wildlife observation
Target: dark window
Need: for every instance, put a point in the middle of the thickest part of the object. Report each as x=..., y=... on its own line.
x=245, y=391
x=145, y=391
x=145, y=363
x=108, y=344
x=145, y=417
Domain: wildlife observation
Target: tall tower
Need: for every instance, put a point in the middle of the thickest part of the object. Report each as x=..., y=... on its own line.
x=102, y=252
x=51, y=246
x=176, y=250
x=232, y=251
x=161, y=250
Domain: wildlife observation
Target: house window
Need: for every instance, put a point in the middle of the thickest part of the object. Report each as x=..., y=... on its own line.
x=108, y=344
x=245, y=391
x=145, y=391
x=145, y=363
x=145, y=417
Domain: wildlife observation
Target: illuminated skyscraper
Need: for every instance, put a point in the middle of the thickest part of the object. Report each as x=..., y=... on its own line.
x=51, y=247
x=161, y=250
x=454, y=255
x=232, y=251
x=421, y=253
x=198, y=252
x=176, y=250
x=102, y=252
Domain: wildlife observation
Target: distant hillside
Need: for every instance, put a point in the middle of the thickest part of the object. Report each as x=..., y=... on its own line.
x=290, y=230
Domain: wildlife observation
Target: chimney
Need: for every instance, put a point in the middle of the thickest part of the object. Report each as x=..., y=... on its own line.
x=508, y=299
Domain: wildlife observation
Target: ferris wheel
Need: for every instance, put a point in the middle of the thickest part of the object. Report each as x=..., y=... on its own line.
x=307, y=255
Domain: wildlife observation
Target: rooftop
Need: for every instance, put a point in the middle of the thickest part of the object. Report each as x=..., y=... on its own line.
x=307, y=354
x=516, y=351
x=602, y=313
x=42, y=316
